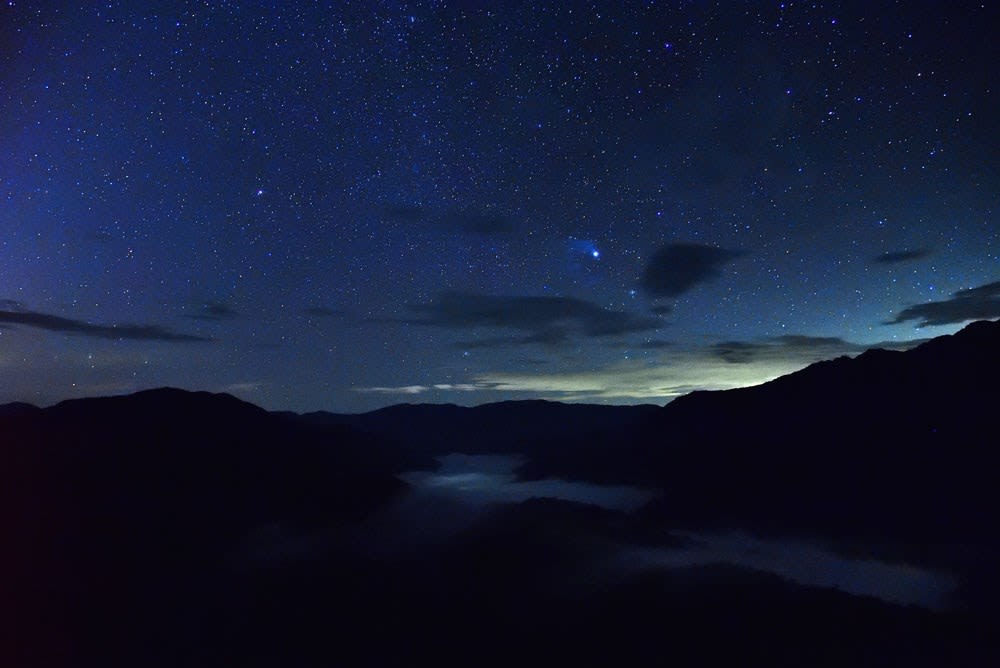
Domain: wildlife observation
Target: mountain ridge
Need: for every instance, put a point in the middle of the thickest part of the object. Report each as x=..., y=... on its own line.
x=171, y=527
x=889, y=441
x=979, y=330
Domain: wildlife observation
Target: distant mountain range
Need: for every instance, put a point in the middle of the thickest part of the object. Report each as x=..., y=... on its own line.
x=897, y=442
x=530, y=428
x=125, y=517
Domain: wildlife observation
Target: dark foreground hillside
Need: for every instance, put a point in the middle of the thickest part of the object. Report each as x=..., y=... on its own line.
x=173, y=528
x=119, y=513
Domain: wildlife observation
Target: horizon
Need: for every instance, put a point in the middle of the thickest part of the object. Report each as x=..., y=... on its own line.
x=583, y=400
x=901, y=347
x=344, y=208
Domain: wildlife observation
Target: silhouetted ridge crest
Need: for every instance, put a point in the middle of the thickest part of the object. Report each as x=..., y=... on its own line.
x=886, y=443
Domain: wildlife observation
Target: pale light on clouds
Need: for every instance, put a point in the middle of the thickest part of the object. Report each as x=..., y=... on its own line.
x=625, y=382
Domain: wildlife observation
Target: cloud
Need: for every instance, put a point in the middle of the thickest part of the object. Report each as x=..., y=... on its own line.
x=683, y=369
x=12, y=305
x=421, y=389
x=490, y=343
x=676, y=268
x=529, y=361
x=242, y=388
x=459, y=220
x=804, y=341
x=53, y=323
x=634, y=381
x=214, y=311
x=738, y=352
x=799, y=347
x=661, y=309
x=980, y=303
x=895, y=257
x=545, y=320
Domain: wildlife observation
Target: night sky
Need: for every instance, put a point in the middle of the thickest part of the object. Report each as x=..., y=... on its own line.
x=350, y=204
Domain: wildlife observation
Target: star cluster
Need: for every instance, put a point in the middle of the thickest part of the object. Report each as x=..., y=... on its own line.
x=338, y=205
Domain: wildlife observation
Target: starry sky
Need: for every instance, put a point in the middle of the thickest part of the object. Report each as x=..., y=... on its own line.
x=344, y=205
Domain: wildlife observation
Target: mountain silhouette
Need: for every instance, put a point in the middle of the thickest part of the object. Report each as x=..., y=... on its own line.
x=508, y=427
x=134, y=503
x=171, y=527
x=889, y=443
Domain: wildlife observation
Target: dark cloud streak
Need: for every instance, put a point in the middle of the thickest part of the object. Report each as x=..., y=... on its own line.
x=545, y=320
x=739, y=352
x=676, y=268
x=215, y=311
x=53, y=323
x=808, y=348
x=493, y=342
x=980, y=303
x=896, y=257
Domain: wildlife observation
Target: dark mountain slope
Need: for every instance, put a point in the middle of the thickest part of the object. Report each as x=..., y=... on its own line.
x=125, y=518
x=898, y=442
x=523, y=427
x=136, y=503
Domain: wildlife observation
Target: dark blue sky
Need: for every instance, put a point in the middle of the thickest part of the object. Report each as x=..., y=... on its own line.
x=343, y=205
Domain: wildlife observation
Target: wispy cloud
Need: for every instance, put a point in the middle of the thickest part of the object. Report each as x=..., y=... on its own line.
x=214, y=311
x=635, y=381
x=421, y=389
x=895, y=257
x=53, y=323
x=627, y=382
x=545, y=320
